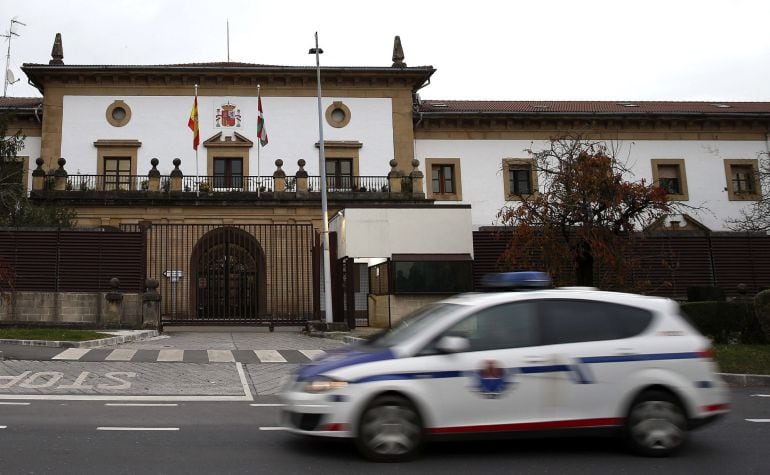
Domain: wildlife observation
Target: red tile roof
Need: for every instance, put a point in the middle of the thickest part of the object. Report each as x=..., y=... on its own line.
x=594, y=107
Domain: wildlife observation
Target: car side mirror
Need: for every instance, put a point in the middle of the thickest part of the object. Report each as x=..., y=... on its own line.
x=452, y=344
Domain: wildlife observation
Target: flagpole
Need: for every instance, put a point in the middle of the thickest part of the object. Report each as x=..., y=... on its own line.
x=197, y=174
x=259, y=146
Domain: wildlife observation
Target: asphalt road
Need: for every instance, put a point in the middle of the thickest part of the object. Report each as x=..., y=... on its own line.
x=44, y=436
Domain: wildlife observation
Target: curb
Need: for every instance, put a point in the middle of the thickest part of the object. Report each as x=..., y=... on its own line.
x=745, y=380
x=120, y=337
x=342, y=336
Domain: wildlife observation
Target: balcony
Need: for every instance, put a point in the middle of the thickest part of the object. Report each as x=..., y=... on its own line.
x=60, y=185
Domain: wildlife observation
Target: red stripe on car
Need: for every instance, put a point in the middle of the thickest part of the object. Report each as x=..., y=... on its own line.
x=568, y=424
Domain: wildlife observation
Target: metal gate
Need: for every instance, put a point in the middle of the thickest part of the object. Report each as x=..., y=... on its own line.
x=233, y=274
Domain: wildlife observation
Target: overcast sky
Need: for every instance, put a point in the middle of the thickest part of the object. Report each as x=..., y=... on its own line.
x=482, y=49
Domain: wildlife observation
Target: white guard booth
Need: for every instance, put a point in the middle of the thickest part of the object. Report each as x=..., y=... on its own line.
x=404, y=258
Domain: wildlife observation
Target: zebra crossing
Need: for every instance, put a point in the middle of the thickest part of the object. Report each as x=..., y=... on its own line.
x=188, y=356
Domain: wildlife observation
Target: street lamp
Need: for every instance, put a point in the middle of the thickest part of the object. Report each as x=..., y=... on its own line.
x=324, y=211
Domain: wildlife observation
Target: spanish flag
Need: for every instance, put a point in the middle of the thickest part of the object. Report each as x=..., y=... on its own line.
x=193, y=123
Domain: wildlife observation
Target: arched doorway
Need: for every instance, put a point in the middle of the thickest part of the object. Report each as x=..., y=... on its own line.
x=228, y=269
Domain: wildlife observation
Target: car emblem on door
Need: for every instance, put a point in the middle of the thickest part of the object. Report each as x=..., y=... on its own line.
x=492, y=379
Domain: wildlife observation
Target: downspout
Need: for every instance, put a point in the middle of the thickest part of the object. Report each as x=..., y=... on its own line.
x=36, y=114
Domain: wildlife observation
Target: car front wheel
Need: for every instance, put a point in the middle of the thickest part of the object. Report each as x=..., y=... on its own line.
x=390, y=430
x=656, y=425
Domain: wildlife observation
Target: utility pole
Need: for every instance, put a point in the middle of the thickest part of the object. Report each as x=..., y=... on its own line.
x=324, y=209
x=8, y=76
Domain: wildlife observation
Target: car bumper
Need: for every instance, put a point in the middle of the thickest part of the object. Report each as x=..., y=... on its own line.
x=329, y=414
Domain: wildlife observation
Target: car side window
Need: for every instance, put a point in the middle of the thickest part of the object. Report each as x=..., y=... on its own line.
x=512, y=325
x=573, y=321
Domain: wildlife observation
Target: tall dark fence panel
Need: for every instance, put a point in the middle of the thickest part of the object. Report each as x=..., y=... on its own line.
x=71, y=260
x=670, y=263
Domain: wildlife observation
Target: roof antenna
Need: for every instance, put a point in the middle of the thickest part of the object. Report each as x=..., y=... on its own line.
x=9, y=79
x=228, y=40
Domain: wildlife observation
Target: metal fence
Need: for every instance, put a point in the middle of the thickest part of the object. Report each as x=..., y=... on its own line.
x=68, y=260
x=670, y=263
x=255, y=274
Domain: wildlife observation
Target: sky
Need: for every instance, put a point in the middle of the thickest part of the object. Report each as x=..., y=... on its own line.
x=483, y=50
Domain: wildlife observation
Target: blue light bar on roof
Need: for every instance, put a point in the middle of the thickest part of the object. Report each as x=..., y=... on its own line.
x=517, y=280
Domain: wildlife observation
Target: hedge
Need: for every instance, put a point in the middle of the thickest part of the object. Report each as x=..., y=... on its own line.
x=726, y=322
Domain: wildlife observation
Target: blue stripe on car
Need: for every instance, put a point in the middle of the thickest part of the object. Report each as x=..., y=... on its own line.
x=579, y=373
x=340, y=359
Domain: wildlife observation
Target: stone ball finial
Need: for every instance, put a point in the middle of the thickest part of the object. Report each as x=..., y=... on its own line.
x=61, y=161
x=39, y=162
x=154, y=162
x=398, y=53
x=114, y=283
x=57, y=52
x=177, y=162
x=393, y=163
x=279, y=163
x=151, y=284
x=742, y=289
x=415, y=163
x=301, y=162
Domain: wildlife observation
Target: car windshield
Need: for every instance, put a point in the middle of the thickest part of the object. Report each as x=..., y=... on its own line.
x=413, y=324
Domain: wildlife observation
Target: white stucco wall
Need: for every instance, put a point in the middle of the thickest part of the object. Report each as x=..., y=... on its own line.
x=160, y=124
x=482, y=179
x=366, y=232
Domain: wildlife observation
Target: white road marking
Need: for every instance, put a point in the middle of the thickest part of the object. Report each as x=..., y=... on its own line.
x=71, y=354
x=269, y=356
x=139, y=404
x=313, y=354
x=137, y=428
x=83, y=397
x=3, y=427
x=120, y=355
x=272, y=428
x=760, y=395
x=221, y=356
x=758, y=420
x=242, y=374
x=170, y=355
x=267, y=405
x=14, y=404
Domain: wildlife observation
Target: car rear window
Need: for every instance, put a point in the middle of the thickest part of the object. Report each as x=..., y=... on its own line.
x=572, y=321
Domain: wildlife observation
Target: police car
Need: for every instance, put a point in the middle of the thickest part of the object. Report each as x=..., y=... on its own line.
x=543, y=361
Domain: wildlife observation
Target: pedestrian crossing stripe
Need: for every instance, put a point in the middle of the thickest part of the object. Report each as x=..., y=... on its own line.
x=197, y=356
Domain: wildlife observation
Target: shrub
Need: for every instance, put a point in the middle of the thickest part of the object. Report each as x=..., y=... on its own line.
x=762, y=311
x=725, y=322
x=705, y=294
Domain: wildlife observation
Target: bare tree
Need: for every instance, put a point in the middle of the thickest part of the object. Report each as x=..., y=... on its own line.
x=583, y=216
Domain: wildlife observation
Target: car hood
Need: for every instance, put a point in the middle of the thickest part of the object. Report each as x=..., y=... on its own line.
x=343, y=357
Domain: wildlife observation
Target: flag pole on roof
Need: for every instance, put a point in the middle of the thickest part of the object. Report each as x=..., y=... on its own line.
x=261, y=134
x=193, y=123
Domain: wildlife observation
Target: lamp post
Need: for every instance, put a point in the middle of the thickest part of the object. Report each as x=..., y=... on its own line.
x=324, y=210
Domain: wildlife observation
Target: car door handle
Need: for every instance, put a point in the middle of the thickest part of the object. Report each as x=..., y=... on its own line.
x=625, y=351
x=534, y=359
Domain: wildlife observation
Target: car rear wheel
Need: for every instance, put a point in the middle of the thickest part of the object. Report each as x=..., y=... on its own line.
x=656, y=425
x=390, y=430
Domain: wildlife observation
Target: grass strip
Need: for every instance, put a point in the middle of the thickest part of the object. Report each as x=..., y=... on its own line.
x=744, y=359
x=50, y=334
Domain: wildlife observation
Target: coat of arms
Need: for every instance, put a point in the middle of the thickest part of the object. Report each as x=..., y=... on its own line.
x=228, y=116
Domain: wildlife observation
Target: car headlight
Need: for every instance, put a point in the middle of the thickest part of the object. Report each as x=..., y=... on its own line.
x=324, y=384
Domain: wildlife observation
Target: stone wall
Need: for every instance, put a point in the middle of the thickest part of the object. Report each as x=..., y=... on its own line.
x=66, y=308
x=400, y=306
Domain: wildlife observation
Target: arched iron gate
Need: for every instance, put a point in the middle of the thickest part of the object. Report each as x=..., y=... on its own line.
x=233, y=274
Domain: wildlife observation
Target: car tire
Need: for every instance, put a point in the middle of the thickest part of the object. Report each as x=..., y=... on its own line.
x=390, y=430
x=656, y=425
